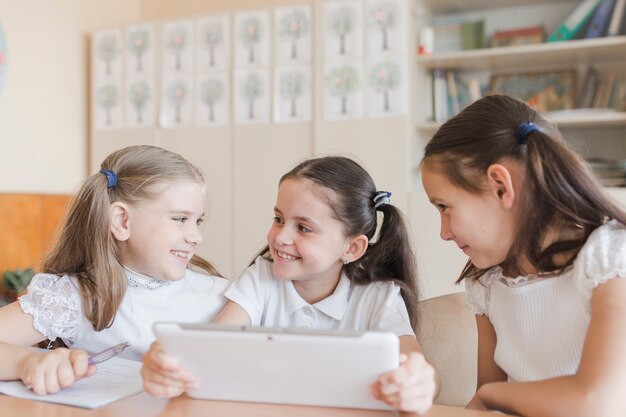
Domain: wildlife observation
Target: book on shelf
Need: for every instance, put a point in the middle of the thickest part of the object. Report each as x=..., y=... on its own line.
x=447, y=38
x=451, y=94
x=575, y=22
x=458, y=36
x=617, y=19
x=600, y=20
x=519, y=36
x=588, y=90
x=473, y=33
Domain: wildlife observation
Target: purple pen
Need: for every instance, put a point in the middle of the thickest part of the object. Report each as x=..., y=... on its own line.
x=107, y=353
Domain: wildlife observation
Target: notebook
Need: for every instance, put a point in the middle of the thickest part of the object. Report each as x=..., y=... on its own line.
x=316, y=368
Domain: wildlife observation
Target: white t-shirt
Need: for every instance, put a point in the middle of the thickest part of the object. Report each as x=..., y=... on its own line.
x=55, y=304
x=541, y=323
x=274, y=302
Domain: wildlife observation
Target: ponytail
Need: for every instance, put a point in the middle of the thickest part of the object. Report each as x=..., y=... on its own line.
x=390, y=258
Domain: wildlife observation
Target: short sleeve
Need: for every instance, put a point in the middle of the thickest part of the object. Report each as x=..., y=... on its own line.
x=54, y=303
x=390, y=313
x=603, y=256
x=477, y=292
x=251, y=289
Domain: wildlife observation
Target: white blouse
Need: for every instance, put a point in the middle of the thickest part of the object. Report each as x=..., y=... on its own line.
x=274, y=302
x=541, y=323
x=55, y=304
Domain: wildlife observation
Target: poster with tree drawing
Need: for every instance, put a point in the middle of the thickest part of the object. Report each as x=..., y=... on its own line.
x=343, y=91
x=292, y=94
x=212, y=99
x=386, y=27
x=292, y=35
x=106, y=54
x=178, y=47
x=252, y=99
x=343, y=30
x=139, y=50
x=386, y=93
x=252, y=39
x=176, y=102
x=107, y=105
x=213, y=43
x=140, y=103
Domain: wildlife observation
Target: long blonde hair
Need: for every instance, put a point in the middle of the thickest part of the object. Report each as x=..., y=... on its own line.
x=86, y=247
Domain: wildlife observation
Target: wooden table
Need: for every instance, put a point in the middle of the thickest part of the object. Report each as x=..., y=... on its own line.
x=142, y=405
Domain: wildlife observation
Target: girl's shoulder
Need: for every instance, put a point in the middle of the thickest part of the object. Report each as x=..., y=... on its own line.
x=203, y=280
x=53, y=284
x=603, y=256
x=478, y=291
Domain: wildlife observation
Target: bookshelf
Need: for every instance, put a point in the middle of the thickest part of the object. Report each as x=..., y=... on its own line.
x=573, y=52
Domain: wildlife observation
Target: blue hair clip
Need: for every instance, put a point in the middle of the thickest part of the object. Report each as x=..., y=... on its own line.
x=381, y=198
x=524, y=130
x=111, y=177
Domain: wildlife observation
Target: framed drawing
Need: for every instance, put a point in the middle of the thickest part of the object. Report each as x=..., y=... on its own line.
x=544, y=91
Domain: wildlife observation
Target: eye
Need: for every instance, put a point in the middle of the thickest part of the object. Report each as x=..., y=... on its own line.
x=278, y=220
x=180, y=219
x=304, y=229
x=442, y=207
x=199, y=222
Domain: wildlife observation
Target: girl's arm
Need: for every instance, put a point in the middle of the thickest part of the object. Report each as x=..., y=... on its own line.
x=597, y=389
x=414, y=385
x=233, y=313
x=488, y=370
x=45, y=372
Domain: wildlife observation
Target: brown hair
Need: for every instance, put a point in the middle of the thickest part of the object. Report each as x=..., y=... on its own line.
x=86, y=247
x=559, y=188
x=390, y=257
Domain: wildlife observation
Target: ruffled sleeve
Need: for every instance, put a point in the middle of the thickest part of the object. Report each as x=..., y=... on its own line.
x=477, y=292
x=54, y=303
x=603, y=256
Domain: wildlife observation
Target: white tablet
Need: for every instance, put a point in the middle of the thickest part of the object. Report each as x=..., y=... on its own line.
x=320, y=368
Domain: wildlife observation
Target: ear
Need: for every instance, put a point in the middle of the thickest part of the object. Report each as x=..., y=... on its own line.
x=120, y=222
x=500, y=184
x=356, y=248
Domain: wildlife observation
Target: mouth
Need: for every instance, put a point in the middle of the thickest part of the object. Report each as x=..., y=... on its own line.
x=285, y=256
x=182, y=254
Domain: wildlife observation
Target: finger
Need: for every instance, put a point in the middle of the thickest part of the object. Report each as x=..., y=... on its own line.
x=51, y=380
x=37, y=379
x=161, y=391
x=177, y=380
x=80, y=362
x=65, y=375
x=160, y=361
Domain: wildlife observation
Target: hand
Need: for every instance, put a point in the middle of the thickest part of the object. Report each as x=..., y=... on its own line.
x=411, y=387
x=162, y=374
x=49, y=372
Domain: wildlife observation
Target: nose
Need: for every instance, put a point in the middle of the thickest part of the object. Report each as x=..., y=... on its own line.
x=284, y=236
x=445, y=233
x=194, y=236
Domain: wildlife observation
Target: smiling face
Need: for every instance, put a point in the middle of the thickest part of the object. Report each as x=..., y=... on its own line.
x=164, y=232
x=480, y=224
x=306, y=242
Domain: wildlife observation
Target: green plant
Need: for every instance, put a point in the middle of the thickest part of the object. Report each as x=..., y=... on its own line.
x=16, y=281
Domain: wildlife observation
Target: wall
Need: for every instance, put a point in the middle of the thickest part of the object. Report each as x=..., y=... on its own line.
x=43, y=105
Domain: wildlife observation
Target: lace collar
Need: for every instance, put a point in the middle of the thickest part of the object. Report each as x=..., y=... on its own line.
x=137, y=280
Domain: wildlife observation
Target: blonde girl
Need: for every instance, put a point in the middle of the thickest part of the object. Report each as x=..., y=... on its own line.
x=120, y=264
